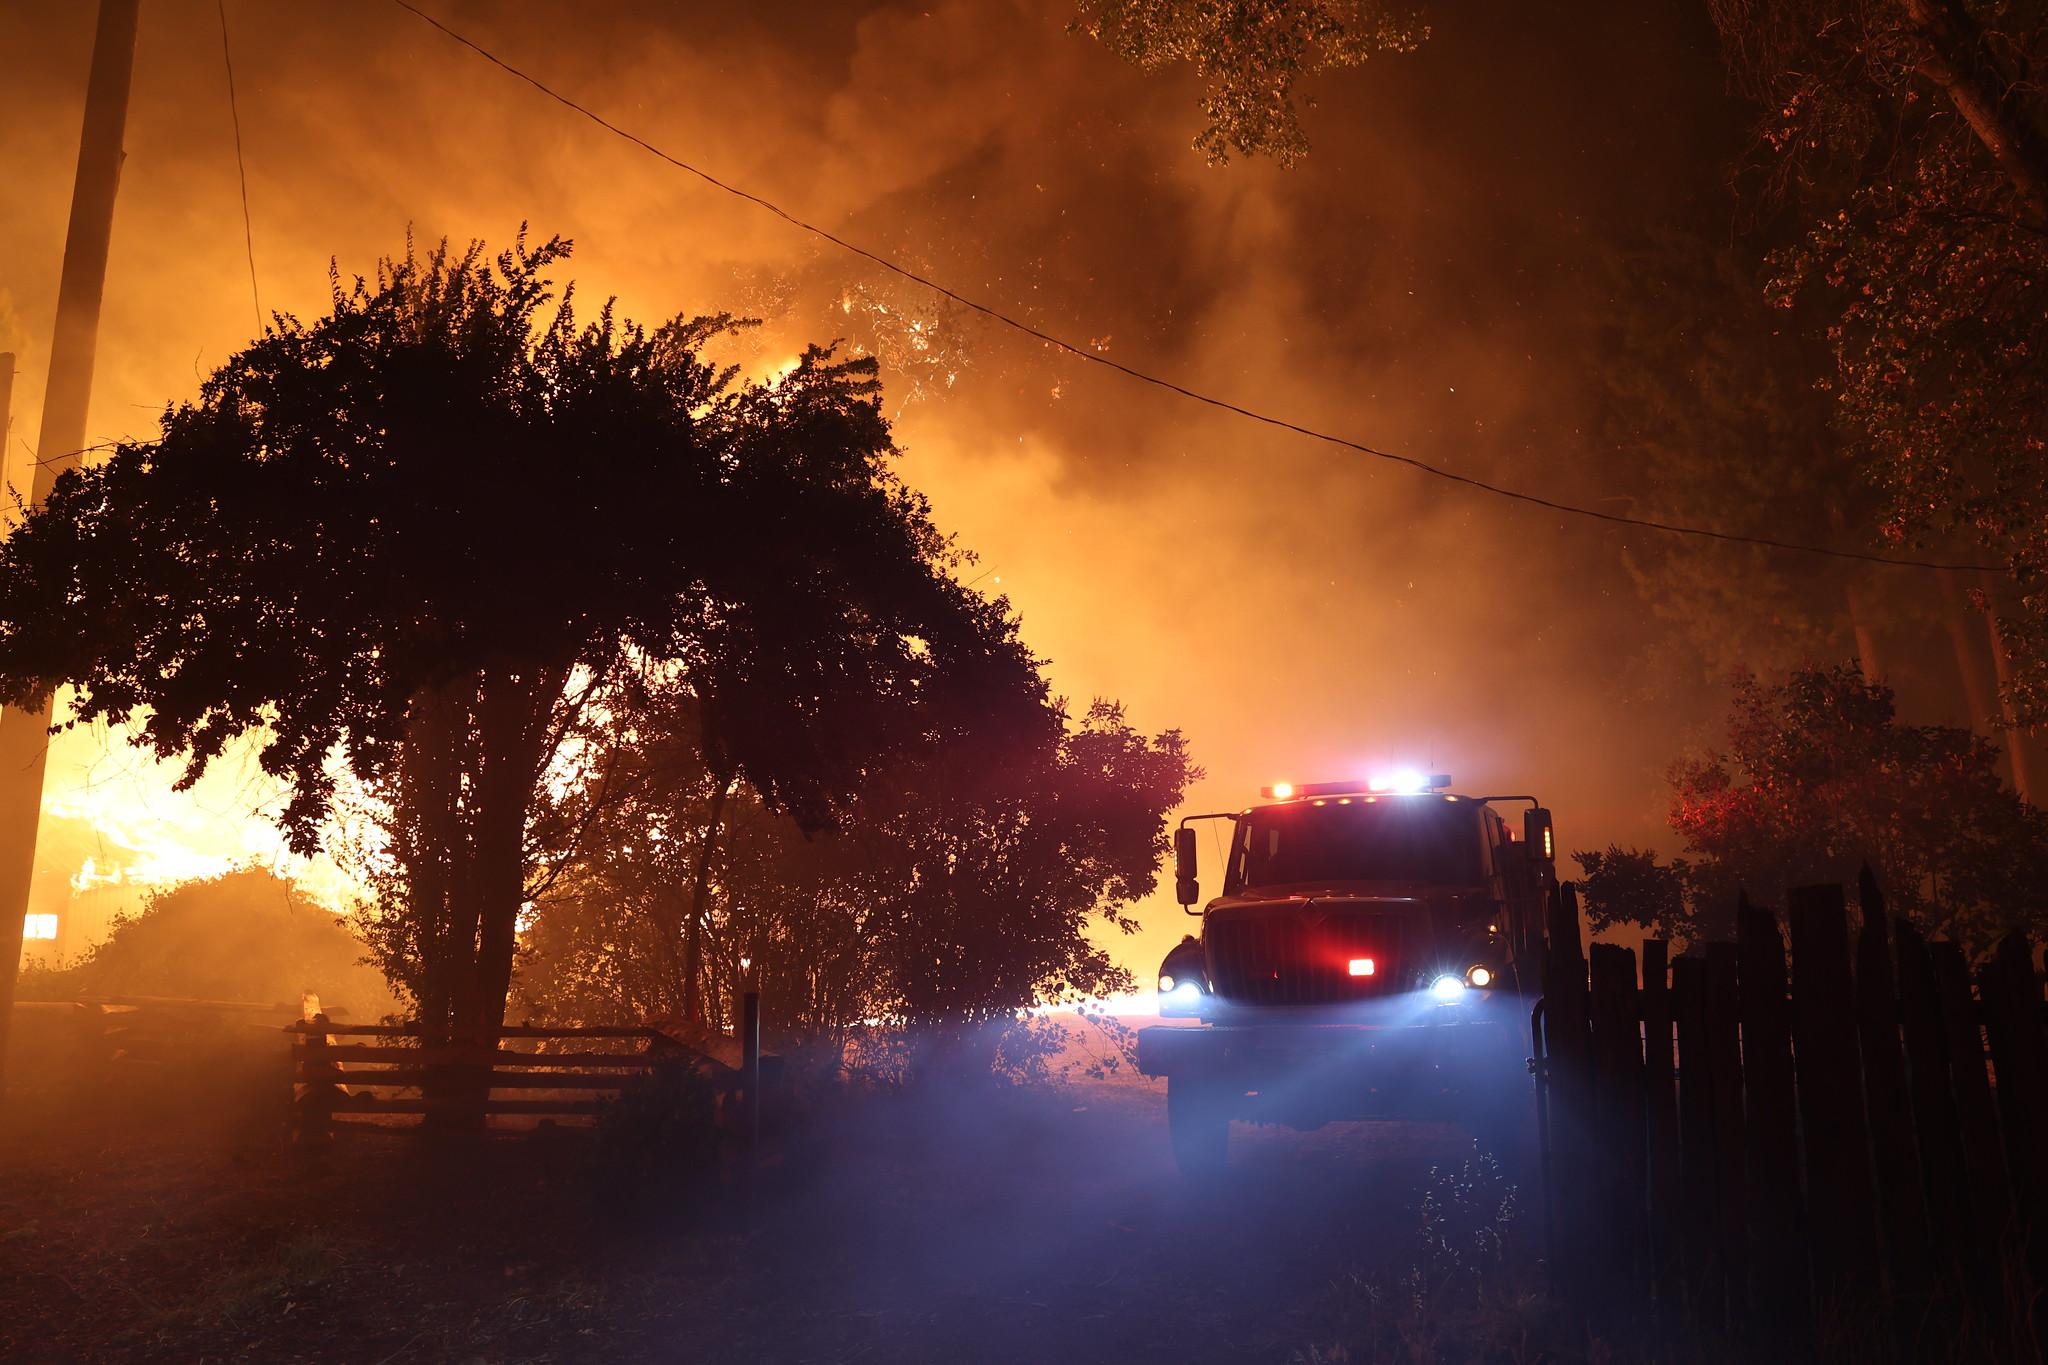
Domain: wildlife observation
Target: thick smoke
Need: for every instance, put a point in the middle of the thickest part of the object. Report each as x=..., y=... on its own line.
x=1427, y=281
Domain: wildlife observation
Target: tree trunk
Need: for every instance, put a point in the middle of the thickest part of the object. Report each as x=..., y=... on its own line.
x=693, y=939
x=1954, y=59
x=515, y=717
x=1866, y=637
x=1986, y=712
x=427, y=839
x=430, y=840
x=671, y=914
x=474, y=749
x=1979, y=694
x=512, y=714
x=2015, y=738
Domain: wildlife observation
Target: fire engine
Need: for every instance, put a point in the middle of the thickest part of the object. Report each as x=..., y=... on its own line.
x=1373, y=955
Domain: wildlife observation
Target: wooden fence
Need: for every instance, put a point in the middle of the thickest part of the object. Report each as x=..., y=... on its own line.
x=350, y=1076
x=1844, y=1152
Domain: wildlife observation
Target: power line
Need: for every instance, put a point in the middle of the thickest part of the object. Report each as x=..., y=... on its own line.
x=1144, y=377
x=241, y=171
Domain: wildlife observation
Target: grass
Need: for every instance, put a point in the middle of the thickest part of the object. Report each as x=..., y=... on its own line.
x=297, y=1265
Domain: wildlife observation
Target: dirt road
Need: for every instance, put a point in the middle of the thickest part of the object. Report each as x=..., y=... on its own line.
x=1048, y=1226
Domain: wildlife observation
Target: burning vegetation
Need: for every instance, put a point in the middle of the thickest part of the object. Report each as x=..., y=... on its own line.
x=616, y=855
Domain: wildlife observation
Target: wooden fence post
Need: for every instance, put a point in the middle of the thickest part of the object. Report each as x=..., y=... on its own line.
x=1934, y=1112
x=1618, y=1109
x=1564, y=975
x=1837, y=1132
x=1697, y=1218
x=1567, y=1046
x=2011, y=990
x=2014, y=1022
x=1731, y=1182
x=321, y=1076
x=750, y=1062
x=1776, y=1231
x=1983, y=1152
x=1901, y=1195
x=1660, y=1104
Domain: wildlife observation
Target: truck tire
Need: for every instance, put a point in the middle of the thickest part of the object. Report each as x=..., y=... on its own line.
x=1198, y=1121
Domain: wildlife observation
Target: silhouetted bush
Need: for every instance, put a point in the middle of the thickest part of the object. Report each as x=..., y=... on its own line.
x=1466, y=1214
x=242, y=936
x=655, y=1153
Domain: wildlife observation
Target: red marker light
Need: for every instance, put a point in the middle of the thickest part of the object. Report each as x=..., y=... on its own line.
x=1361, y=966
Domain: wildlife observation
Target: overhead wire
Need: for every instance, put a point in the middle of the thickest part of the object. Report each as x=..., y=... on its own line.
x=1195, y=395
x=241, y=168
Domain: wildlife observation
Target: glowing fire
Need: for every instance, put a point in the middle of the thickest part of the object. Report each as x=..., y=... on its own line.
x=112, y=819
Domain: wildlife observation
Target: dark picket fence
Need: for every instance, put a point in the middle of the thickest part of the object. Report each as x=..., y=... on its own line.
x=1843, y=1152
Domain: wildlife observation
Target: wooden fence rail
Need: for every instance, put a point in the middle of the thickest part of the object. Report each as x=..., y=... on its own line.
x=338, y=1085
x=1842, y=1151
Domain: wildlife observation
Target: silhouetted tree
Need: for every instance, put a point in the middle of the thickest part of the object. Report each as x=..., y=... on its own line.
x=409, y=543
x=1913, y=136
x=983, y=868
x=960, y=885
x=1710, y=400
x=1819, y=776
x=1629, y=886
x=612, y=932
x=1249, y=54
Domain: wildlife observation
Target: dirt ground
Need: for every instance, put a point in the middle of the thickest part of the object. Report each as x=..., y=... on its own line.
x=1048, y=1226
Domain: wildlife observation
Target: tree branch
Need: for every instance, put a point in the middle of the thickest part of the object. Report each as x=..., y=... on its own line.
x=1953, y=59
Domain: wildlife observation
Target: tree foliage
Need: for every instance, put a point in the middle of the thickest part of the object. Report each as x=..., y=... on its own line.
x=409, y=543
x=1910, y=133
x=239, y=936
x=1248, y=55
x=1630, y=886
x=1819, y=776
x=1709, y=398
x=960, y=885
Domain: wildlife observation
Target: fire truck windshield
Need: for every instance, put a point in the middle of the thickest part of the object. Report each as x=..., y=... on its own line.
x=1419, y=839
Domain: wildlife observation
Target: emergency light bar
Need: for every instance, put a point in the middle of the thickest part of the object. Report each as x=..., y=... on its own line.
x=1396, y=784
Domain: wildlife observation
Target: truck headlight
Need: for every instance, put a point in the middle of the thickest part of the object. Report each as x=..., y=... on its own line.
x=1447, y=988
x=1480, y=976
x=1165, y=984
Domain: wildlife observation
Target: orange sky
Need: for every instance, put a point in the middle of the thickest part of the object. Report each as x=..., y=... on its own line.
x=1424, y=281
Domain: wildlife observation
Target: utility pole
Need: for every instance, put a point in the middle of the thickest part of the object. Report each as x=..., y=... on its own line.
x=6, y=398
x=25, y=734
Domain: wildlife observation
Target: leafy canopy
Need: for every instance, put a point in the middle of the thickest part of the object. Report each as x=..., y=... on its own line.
x=1709, y=397
x=1909, y=136
x=1820, y=776
x=445, y=476
x=961, y=883
x=1249, y=54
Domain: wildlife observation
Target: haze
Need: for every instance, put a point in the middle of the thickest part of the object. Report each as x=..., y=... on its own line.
x=1430, y=280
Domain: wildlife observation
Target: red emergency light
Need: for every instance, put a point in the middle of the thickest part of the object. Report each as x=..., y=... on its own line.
x=1401, y=784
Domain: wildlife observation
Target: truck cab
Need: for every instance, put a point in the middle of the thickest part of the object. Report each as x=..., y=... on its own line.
x=1369, y=957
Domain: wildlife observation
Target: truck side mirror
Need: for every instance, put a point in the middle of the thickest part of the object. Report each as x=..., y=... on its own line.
x=1538, y=834
x=1184, y=885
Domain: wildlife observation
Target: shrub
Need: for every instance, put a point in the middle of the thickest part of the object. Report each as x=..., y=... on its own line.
x=654, y=1154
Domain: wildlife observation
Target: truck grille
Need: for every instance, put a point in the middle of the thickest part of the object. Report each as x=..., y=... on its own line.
x=1283, y=956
